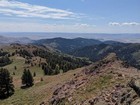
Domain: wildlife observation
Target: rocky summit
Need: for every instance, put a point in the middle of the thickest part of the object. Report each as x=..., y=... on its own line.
x=107, y=82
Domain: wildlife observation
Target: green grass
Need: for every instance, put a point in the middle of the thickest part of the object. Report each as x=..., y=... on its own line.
x=101, y=83
x=19, y=62
x=29, y=96
x=8, y=49
x=41, y=91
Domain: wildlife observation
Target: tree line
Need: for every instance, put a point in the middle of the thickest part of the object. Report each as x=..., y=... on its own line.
x=4, y=61
x=58, y=62
x=2, y=53
x=6, y=82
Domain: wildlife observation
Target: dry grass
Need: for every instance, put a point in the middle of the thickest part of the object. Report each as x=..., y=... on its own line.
x=41, y=91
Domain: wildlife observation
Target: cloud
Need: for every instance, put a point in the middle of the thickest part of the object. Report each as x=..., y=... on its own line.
x=114, y=24
x=20, y=9
x=40, y=27
x=131, y=24
x=83, y=25
x=124, y=24
x=70, y=28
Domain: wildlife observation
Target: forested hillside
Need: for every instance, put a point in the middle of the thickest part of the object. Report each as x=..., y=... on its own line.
x=50, y=61
x=127, y=52
x=67, y=45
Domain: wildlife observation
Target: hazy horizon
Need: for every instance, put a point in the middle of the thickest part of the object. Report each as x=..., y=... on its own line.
x=96, y=19
x=82, y=16
x=125, y=37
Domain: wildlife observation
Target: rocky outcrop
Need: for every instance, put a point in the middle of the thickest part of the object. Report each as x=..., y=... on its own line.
x=67, y=90
x=106, y=62
x=118, y=95
x=108, y=82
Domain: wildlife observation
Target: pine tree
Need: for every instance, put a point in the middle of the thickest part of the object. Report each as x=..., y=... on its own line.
x=57, y=71
x=27, y=78
x=50, y=71
x=34, y=74
x=46, y=70
x=30, y=78
x=15, y=68
x=24, y=77
x=6, y=86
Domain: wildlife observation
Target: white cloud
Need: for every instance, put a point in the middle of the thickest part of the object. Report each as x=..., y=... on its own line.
x=71, y=28
x=124, y=24
x=20, y=9
x=131, y=24
x=40, y=27
x=114, y=24
x=83, y=25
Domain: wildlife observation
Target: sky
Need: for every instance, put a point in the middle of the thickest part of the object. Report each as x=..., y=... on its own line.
x=72, y=16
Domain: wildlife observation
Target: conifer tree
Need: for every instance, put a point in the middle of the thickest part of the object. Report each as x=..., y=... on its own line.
x=27, y=78
x=57, y=71
x=34, y=74
x=46, y=70
x=30, y=78
x=6, y=86
x=15, y=67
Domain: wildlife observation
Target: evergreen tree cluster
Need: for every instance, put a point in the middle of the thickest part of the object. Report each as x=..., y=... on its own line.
x=2, y=53
x=6, y=82
x=24, y=53
x=47, y=69
x=4, y=61
x=57, y=62
x=6, y=86
x=27, y=78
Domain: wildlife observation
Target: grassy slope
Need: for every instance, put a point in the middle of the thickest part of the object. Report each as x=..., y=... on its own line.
x=40, y=92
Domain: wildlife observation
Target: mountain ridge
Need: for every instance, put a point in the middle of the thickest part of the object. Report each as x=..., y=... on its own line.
x=127, y=52
x=66, y=45
x=104, y=82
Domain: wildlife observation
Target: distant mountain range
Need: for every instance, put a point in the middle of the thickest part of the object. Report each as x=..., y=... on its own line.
x=67, y=45
x=125, y=37
x=62, y=44
x=9, y=40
